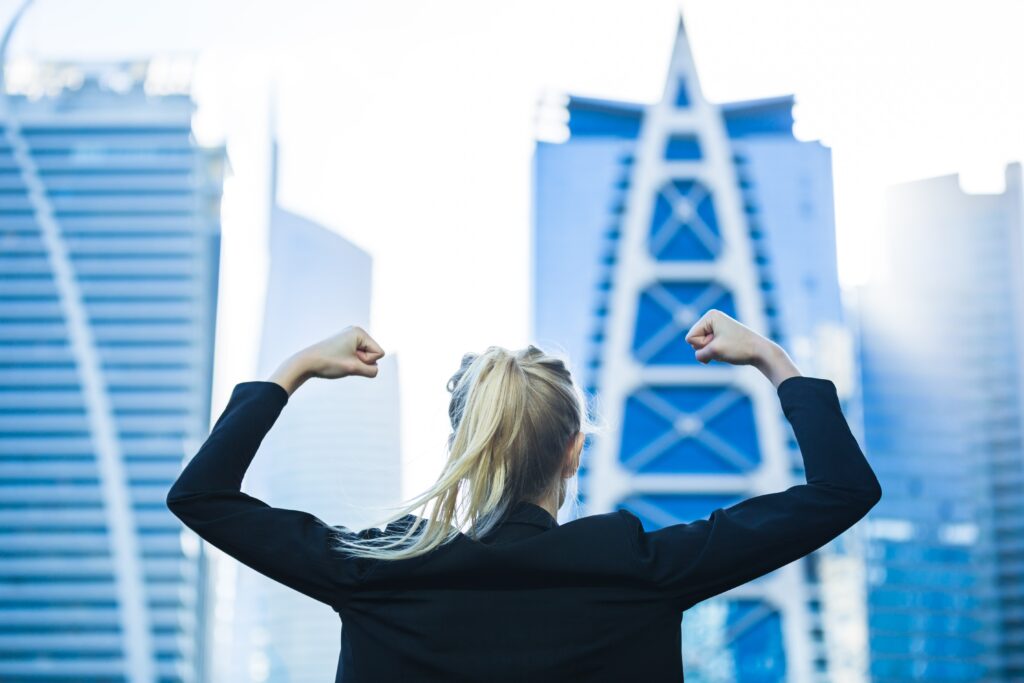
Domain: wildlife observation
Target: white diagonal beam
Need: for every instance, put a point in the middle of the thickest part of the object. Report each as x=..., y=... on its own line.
x=118, y=508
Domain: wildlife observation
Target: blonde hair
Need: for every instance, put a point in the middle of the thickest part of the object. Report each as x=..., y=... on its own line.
x=513, y=416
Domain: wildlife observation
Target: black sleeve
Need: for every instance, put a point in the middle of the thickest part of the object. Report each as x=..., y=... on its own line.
x=289, y=546
x=734, y=545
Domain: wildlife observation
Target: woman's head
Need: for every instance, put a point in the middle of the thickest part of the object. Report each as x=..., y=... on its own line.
x=518, y=420
x=518, y=423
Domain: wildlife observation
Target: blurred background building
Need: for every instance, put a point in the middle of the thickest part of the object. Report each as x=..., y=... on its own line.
x=334, y=451
x=645, y=217
x=942, y=326
x=109, y=251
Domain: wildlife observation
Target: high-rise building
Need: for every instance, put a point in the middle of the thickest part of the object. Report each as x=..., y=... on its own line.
x=109, y=245
x=646, y=217
x=942, y=356
x=334, y=451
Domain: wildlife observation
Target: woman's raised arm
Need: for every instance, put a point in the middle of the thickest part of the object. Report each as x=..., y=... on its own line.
x=289, y=546
x=734, y=545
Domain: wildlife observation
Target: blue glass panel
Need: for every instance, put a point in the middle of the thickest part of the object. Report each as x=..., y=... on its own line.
x=761, y=117
x=919, y=669
x=948, y=623
x=684, y=186
x=759, y=651
x=706, y=211
x=726, y=442
x=683, y=245
x=600, y=118
x=907, y=553
x=659, y=337
x=684, y=225
x=886, y=597
x=683, y=148
x=662, y=210
x=682, y=94
x=928, y=644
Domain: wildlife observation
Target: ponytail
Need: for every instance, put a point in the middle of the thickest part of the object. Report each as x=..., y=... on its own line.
x=513, y=416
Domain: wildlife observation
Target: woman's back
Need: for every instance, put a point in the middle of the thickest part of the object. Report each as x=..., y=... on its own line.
x=598, y=598
x=533, y=601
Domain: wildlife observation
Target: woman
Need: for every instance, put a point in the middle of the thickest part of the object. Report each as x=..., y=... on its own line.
x=489, y=586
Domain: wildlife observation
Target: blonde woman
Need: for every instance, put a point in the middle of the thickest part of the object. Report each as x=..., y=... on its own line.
x=489, y=586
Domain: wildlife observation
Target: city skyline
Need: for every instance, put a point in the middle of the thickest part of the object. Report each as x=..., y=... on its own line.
x=875, y=79
x=154, y=256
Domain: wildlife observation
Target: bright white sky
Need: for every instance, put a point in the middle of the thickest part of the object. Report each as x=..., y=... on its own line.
x=408, y=127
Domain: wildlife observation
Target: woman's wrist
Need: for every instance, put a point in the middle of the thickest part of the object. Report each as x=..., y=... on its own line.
x=774, y=363
x=293, y=372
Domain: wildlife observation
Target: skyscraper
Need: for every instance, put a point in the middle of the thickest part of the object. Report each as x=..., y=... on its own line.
x=109, y=245
x=334, y=451
x=645, y=218
x=942, y=353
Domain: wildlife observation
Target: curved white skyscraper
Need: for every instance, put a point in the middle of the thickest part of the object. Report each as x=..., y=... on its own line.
x=109, y=245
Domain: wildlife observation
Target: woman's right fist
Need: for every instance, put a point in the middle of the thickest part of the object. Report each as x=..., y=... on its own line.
x=717, y=336
x=349, y=352
x=352, y=351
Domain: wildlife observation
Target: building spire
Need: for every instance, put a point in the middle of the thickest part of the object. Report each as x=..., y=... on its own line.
x=682, y=84
x=681, y=25
x=272, y=127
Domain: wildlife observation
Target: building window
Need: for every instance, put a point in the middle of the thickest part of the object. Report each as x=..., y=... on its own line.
x=689, y=430
x=682, y=94
x=684, y=226
x=665, y=313
x=683, y=148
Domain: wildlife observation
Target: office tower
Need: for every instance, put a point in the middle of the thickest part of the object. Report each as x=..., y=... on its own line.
x=109, y=245
x=334, y=451
x=942, y=333
x=647, y=216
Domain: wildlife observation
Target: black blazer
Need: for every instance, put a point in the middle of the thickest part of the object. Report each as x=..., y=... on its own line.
x=595, y=599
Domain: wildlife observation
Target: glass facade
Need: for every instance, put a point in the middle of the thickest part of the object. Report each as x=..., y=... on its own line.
x=942, y=329
x=650, y=216
x=109, y=245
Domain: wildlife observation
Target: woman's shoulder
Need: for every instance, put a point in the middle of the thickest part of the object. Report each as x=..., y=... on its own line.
x=614, y=517
x=396, y=526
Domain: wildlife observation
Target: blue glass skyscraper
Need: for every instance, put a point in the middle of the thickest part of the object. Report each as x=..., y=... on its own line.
x=942, y=353
x=645, y=218
x=109, y=244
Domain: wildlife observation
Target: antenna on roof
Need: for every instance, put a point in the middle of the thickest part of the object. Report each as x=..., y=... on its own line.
x=11, y=25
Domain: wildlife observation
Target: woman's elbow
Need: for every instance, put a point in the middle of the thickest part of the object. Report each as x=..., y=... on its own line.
x=875, y=494
x=176, y=499
x=858, y=500
x=173, y=504
x=869, y=496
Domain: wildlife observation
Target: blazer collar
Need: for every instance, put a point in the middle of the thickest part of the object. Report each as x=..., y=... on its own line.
x=523, y=512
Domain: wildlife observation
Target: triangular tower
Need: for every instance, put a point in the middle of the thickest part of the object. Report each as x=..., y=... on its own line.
x=686, y=438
